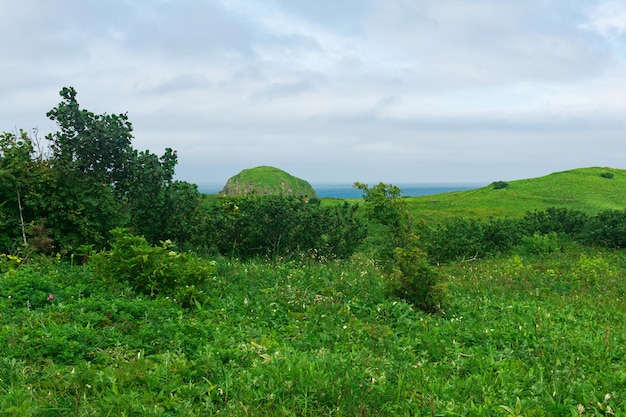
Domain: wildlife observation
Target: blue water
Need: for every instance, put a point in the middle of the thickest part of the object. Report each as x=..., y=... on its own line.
x=346, y=190
x=408, y=190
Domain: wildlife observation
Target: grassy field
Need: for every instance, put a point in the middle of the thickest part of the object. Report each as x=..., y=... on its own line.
x=581, y=189
x=310, y=339
x=519, y=335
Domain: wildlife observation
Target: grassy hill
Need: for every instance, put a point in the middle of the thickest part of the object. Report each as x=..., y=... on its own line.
x=267, y=180
x=586, y=189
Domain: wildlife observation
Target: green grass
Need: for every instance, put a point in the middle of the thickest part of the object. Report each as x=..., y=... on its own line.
x=310, y=339
x=530, y=335
x=581, y=189
x=268, y=180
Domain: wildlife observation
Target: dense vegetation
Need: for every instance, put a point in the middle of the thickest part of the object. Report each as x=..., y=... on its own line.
x=92, y=180
x=124, y=292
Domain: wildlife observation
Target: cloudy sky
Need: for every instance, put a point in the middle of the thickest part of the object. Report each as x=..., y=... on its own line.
x=400, y=91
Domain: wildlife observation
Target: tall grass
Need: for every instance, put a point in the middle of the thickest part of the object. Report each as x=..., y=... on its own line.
x=306, y=338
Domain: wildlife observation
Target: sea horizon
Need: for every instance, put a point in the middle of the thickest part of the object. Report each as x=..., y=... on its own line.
x=347, y=190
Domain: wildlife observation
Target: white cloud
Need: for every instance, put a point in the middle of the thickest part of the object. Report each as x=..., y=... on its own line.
x=608, y=19
x=396, y=90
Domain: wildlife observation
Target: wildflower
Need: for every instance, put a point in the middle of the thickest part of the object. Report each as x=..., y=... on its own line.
x=607, y=397
x=50, y=296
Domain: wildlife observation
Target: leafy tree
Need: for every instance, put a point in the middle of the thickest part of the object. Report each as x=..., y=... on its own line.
x=100, y=182
x=387, y=210
x=98, y=146
x=23, y=173
x=410, y=274
x=15, y=174
x=185, y=218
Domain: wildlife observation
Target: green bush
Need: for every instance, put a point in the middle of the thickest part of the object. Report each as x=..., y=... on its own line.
x=153, y=270
x=275, y=226
x=590, y=271
x=498, y=185
x=555, y=219
x=415, y=280
x=607, y=175
x=606, y=229
x=539, y=244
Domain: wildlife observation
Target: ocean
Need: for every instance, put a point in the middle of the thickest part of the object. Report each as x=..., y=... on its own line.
x=343, y=190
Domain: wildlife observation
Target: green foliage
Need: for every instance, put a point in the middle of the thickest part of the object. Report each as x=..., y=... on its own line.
x=606, y=229
x=386, y=209
x=560, y=220
x=469, y=238
x=539, y=244
x=607, y=175
x=153, y=270
x=98, y=146
x=24, y=288
x=415, y=280
x=21, y=174
x=518, y=335
x=78, y=212
x=9, y=262
x=591, y=271
x=275, y=226
x=92, y=182
x=499, y=185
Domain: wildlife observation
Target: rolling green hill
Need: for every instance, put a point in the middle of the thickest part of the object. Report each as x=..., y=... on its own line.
x=267, y=180
x=588, y=189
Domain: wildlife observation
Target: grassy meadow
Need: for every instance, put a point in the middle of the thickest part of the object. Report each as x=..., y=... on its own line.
x=519, y=334
x=580, y=189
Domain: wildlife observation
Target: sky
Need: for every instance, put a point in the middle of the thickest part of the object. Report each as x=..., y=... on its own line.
x=333, y=91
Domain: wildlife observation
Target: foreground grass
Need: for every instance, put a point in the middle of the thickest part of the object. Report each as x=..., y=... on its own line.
x=320, y=339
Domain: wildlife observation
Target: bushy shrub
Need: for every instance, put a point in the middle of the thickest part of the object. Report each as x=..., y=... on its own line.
x=499, y=235
x=153, y=270
x=590, y=271
x=539, y=244
x=499, y=185
x=607, y=228
x=555, y=219
x=415, y=280
x=607, y=175
x=463, y=238
x=275, y=226
x=23, y=288
x=453, y=239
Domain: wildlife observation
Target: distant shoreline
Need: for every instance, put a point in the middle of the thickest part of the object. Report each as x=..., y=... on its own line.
x=345, y=190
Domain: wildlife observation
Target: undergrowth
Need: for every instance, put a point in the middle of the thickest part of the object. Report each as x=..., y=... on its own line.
x=527, y=334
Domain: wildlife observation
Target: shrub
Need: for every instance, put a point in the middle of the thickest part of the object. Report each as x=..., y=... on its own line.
x=590, y=271
x=606, y=229
x=415, y=280
x=498, y=185
x=608, y=175
x=559, y=220
x=25, y=289
x=153, y=270
x=539, y=244
x=275, y=226
x=453, y=239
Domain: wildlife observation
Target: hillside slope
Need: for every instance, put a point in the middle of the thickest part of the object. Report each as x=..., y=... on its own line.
x=267, y=180
x=588, y=189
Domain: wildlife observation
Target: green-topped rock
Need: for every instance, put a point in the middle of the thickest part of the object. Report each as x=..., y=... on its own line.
x=267, y=180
